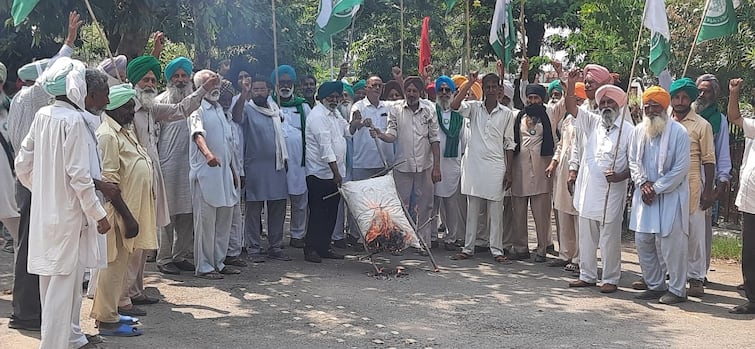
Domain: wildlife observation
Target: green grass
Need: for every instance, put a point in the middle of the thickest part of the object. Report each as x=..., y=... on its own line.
x=726, y=247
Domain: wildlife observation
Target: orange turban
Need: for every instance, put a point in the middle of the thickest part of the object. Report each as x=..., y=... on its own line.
x=477, y=90
x=459, y=80
x=579, y=90
x=657, y=94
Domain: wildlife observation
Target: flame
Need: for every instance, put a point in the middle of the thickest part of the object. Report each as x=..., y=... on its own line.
x=383, y=226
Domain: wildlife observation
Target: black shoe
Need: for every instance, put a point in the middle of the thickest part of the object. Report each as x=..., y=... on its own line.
x=235, y=261
x=670, y=298
x=434, y=244
x=649, y=295
x=152, y=256
x=144, y=300
x=296, y=243
x=169, y=268
x=332, y=255
x=551, y=250
x=481, y=249
x=134, y=311
x=358, y=247
x=340, y=243
x=539, y=258
x=747, y=308
x=519, y=256
x=185, y=265
x=312, y=256
x=24, y=325
x=450, y=246
x=352, y=240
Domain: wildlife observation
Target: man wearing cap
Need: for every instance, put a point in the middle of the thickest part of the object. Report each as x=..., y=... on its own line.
x=534, y=134
x=488, y=155
x=265, y=162
x=599, y=174
x=144, y=71
x=126, y=163
x=706, y=106
x=23, y=107
x=58, y=161
x=745, y=199
x=214, y=183
x=701, y=177
x=413, y=125
x=326, y=135
x=659, y=160
x=295, y=110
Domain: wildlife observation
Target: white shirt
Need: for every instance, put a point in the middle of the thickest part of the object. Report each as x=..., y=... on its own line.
x=450, y=168
x=596, y=155
x=291, y=126
x=746, y=196
x=365, y=153
x=326, y=135
x=63, y=185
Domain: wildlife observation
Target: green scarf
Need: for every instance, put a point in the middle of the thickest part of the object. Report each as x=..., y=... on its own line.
x=452, y=132
x=713, y=116
x=298, y=102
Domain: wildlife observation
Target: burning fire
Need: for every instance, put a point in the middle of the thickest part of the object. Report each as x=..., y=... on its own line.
x=384, y=235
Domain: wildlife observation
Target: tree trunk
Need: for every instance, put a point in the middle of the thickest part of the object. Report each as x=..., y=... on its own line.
x=535, y=36
x=132, y=44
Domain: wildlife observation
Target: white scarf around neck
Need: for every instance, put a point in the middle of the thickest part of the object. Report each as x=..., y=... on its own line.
x=662, y=152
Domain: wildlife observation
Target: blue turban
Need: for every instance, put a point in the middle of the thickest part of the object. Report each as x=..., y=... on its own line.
x=536, y=89
x=33, y=70
x=686, y=85
x=120, y=95
x=555, y=85
x=445, y=79
x=327, y=88
x=178, y=63
x=284, y=69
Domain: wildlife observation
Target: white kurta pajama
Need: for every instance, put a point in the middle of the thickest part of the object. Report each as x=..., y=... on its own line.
x=55, y=162
x=568, y=243
x=9, y=213
x=483, y=169
x=448, y=200
x=297, y=172
x=236, y=241
x=593, y=157
x=213, y=191
x=661, y=229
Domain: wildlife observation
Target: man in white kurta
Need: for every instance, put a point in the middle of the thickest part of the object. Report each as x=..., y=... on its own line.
x=55, y=162
x=214, y=183
x=488, y=155
x=659, y=162
x=600, y=173
x=448, y=198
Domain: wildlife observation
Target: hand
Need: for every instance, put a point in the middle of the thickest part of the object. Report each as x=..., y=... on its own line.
x=571, y=181
x=212, y=161
x=212, y=82
x=558, y=67
x=344, y=69
x=356, y=119
x=436, y=174
x=367, y=122
x=375, y=132
x=500, y=69
x=648, y=193
x=337, y=179
x=575, y=74
x=397, y=74
x=551, y=168
x=735, y=85
x=110, y=190
x=159, y=41
x=706, y=199
x=720, y=190
x=525, y=68
x=611, y=176
x=426, y=72
x=132, y=228
x=103, y=226
x=507, y=180
x=472, y=77
x=74, y=23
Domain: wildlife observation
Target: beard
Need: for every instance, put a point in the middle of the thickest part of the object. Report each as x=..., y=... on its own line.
x=443, y=103
x=654, y=124
x=609, y=116
x=702, y=104
x=213, y=96
x=146, y=96
x=345, y=110
x=285, y=92
x=177, y=92
x=260, y=100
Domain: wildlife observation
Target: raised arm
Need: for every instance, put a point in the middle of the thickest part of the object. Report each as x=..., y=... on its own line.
x=734, y=115
x=181, y=110
x=571, y=99
x=461, y=94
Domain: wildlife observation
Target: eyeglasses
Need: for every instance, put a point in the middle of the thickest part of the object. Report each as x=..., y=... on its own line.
x=444, y=89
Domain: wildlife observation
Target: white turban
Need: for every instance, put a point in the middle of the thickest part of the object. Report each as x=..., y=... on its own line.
x=66, y=77
x=508, y=89
x=3, y=72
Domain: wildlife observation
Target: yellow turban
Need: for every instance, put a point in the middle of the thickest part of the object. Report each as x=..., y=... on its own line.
x=658, y=95
x=477, y=90
x=579, y=90
x=459, y=80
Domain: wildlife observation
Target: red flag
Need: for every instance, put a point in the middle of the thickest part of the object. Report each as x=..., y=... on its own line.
x=424, y=45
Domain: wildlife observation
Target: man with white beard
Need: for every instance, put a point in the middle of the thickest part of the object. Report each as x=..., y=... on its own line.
x=659, y=162
x=295, y=111
x=599, y=174
x=144, y=72
x=701, y=177
x=177, y=237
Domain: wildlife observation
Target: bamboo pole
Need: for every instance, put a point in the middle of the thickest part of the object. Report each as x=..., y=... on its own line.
x=694, y=42
x=275, y=51
x=401, y=57
x=623, y=114
x=524, y=32
x=469, y=38
x=102, y=35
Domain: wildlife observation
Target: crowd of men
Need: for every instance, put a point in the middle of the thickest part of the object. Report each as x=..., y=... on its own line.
x=107, y=169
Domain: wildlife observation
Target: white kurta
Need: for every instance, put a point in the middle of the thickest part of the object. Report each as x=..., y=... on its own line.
x=450, y=168
x=291, y=127
x=8, y=207
x=365, y=153
x=63, y=185
x=596, y=153
x=484, y=162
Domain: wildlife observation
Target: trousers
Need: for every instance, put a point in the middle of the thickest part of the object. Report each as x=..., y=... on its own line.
x=298, y=222
x=453, y=213
x=322, y=214
x=697, y=267
x=60, y=297
x=495, y=224
x=568, y=237
x=109, y=284
x=26, y=299
x=276, y=218
x=176, y=239
x=212, y=226
x=673, y=252
x=608, y=238
x=540, y=206
x=416, y=192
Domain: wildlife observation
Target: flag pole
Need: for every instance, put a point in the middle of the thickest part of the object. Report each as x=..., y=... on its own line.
x=351, y=38
x=102, y=35
x=694, y=42
x=623, y=114
x=401, y=57
x=275, y=51
x=332, y=64
x=469, y=49
x=524, y=32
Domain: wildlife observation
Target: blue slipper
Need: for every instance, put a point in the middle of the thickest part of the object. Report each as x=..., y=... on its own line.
x=128, y=320
x=122, y=331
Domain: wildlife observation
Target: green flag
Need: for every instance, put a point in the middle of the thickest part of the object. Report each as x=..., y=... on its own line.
x=334, y=17
x=502, y=32
x=449, y=5
x=720, y=20
x=657, y=22
x=21, y=9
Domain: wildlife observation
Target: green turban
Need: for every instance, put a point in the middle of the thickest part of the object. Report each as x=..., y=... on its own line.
x=348, y=89
x=139, y=66
x=555, y=85
x=686, y=85
x=120, y=95
x=360, y=85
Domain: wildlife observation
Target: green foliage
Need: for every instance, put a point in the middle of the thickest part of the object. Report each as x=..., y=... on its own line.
x=727, y=248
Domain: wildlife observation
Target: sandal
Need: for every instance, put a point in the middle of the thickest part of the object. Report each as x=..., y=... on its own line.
x=502, y=259
x=122, y=330
x=128, y=320
x=572, y=267
x=461, y=256
x=210, y=276
x=233, y=271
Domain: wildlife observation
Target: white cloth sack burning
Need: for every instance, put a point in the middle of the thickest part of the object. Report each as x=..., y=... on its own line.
x=377, y=208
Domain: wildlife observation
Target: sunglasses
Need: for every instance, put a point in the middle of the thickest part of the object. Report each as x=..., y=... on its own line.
x=444, y=89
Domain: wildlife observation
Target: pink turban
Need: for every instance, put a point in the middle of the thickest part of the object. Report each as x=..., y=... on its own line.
x=612, y=92
x=599, y=73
